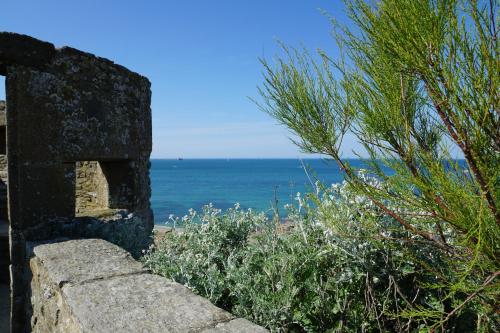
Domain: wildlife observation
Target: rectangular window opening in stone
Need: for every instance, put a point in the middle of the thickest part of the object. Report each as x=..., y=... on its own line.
x=103, y=187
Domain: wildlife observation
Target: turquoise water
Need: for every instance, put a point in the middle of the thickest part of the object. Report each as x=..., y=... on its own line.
x=178, y=185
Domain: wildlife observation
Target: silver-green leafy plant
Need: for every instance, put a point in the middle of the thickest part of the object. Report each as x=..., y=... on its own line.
x=305, y=276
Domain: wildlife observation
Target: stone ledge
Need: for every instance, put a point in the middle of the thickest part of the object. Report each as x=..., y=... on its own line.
x=141, y=303
x=91, y=285
x=78, y=261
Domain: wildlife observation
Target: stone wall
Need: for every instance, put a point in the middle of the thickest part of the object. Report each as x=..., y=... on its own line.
x=3, y=162
x=4, y=228
x=66, y=107
x=72, y=115
x=91, y=188
x=94, y=286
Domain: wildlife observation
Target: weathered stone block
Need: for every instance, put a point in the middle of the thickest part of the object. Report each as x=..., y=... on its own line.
x=93, y=286
x=48, y=311
x=23, y=50
x=51, y=195
x=141, y=303
x=76, y=261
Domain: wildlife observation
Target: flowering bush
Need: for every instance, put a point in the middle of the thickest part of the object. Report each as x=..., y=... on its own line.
x=341, y=265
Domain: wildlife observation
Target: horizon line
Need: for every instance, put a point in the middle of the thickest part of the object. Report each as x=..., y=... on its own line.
x=247, y=158
x=262, y=158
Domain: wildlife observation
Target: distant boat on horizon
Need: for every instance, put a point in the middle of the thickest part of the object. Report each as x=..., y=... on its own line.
x=180, y=159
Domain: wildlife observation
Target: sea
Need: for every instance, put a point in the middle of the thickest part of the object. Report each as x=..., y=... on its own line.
x=181, y=184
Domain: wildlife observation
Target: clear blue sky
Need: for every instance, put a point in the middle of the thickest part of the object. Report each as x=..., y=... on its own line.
x=201, y=57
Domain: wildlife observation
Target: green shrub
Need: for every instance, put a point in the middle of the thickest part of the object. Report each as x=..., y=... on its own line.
x=326, y=272
x=198, y=254
x=416, y=85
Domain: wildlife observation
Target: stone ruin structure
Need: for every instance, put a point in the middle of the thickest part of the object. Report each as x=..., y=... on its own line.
x=75, y=146
x=75, y=141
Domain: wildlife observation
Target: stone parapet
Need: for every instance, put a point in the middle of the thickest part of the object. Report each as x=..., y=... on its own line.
x=94, y=286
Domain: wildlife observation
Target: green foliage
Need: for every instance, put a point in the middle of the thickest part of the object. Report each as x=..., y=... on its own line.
x=197, y=255
x=305, y=277
x=417, y=80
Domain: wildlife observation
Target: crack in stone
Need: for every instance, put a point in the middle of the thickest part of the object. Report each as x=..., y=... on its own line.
x=102, y=278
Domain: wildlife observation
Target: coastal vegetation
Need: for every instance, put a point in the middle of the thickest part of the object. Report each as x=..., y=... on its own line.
x=415, y=250
x=339, y=264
